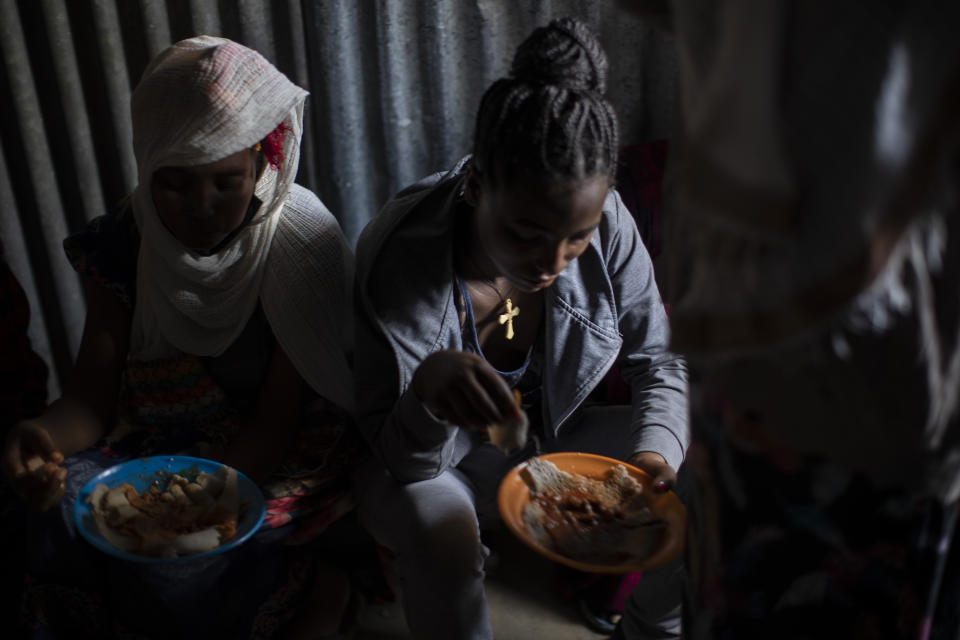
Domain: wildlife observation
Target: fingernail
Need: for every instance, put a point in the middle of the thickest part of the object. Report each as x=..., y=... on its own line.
x=661, y=485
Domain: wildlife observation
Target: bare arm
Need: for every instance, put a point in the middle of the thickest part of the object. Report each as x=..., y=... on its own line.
x=35, y=448
x=87, y=409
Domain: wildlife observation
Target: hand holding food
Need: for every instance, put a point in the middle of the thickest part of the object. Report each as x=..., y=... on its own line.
x=32, y=465
x=510, y=434
x=171, y=518
x=462, y=388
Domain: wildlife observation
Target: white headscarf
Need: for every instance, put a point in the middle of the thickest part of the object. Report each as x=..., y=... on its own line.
x=199, y=101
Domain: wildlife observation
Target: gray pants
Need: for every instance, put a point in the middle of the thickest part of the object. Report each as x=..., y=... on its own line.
x=433, y=528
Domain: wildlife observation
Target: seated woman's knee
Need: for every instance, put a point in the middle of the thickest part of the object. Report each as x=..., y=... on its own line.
x=432, y=520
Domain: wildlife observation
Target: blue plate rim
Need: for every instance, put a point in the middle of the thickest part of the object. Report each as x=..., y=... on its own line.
x=115, y=473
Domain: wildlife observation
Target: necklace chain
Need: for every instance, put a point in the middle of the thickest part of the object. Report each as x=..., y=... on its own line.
x=511, y=310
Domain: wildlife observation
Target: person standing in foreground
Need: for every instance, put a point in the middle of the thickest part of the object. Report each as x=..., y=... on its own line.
x=519, y=269
x=814, y=271
x=215, y=326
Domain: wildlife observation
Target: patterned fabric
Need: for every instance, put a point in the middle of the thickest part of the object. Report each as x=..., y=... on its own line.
x=269, y=575
x=74, y=590
x=784, y=545
x=790, y=546
x=168, y=392
x=106, y=253
x=309, y=488
x=170, y=406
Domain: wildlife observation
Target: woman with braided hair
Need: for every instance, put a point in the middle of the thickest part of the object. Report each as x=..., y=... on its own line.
x=520, y=269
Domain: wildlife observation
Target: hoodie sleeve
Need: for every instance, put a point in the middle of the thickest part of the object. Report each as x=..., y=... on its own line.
x=657, y=377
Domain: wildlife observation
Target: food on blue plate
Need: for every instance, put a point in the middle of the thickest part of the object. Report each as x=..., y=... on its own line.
x=598, y=521
x=180, y=514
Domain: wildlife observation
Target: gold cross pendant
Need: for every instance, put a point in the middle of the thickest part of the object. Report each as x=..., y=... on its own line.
x=507, y=318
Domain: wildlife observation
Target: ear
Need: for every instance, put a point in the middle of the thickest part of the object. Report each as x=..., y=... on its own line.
x=471, y=192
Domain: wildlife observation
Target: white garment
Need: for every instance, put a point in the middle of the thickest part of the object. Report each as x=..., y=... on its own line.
x=199, y=101
x=307, y=295
x=813, y=217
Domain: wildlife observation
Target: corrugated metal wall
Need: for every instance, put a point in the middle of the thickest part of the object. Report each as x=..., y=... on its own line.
x=394, y=87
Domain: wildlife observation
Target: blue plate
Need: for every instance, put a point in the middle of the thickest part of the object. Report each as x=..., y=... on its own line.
x=141, y=473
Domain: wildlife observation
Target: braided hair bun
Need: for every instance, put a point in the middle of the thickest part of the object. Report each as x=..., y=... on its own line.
x=548, y=121
x=564, y=53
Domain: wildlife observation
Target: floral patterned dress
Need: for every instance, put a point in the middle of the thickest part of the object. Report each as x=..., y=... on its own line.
x=170, y=406
x=783, y=545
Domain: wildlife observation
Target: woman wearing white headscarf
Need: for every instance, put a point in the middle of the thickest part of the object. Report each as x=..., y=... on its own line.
x=218, y=322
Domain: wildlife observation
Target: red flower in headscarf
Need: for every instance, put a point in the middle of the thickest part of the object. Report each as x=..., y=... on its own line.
x=273, y=145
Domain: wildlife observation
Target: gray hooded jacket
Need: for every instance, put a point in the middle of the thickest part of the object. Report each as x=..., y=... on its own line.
x=603, y=308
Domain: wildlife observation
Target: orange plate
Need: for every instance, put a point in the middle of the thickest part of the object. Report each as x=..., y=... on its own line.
x=514, y=494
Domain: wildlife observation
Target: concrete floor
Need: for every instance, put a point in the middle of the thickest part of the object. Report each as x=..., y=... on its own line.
x=522, y=594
